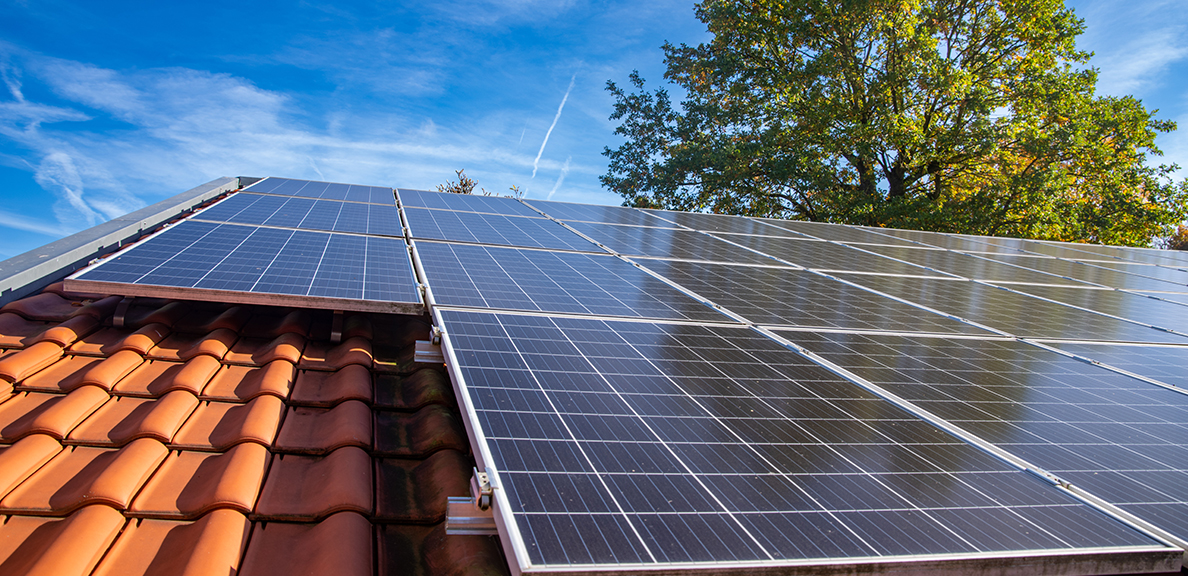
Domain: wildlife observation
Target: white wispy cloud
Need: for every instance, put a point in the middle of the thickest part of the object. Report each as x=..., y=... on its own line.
x=560, y=178
x=556, y=117
x=1141, y=61
x=24, y=222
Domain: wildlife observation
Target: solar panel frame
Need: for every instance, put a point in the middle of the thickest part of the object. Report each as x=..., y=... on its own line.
x=464, y=203
x=306, y=214
x=323, y=190
x=493, y=229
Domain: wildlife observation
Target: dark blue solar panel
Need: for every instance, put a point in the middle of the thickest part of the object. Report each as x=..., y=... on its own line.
x=597, y=213
x=306, y=213
x=493, y=229
x=668, y=243
x=324, y=190
x=387, y=271
x=465, y=203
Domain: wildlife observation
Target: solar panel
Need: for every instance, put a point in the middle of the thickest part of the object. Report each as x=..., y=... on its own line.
x=723, y=223
x=493, y=229
x=1105, y=301
x=465, y=203
x=305, y=213
x=260, y=265
x=1014, y=313
x=1104, y=275
x=976, y=267
x=784, y=296
x=629, y=446
x=837, y=232
x=564, y=282
x=829, y=256
x=1121, y=439
x=1163, y=363
x=667, y=243
x=323, y=190
x=596, y=213
x=1165, y=273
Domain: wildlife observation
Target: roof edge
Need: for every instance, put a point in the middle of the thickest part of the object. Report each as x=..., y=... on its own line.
x=26, y=273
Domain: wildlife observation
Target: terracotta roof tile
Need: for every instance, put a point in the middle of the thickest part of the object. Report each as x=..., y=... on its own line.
x=24, y=363
x=258, y=351
x=202, y=320
x=220, y=425
x=242, y=383
x=144, y=339
x=80, y=476
x=53, y=414
x=318, y=431
x=326, y=356
x=308, y=488
x=183, y=346
x=318, y=388
x=340, y=545
x=59, y=288
x=61, y=376
x=211, y=545
x=419, y=434
x=46, y=306
x=416, y=550
x=32, y=546
x=417, y=390
x=112, y=369
x=123, y=419
x=20, y=460
x=68, y=332
x=416, y=491
x=157, y=377
x=191, y=483
x=150, y=312
x=100, y=343
x=272, y=325
x=356, y=326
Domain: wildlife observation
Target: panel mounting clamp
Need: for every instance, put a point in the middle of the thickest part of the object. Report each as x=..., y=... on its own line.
x=472, y=516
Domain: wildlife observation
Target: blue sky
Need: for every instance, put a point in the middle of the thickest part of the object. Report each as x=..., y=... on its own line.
x=107, y=109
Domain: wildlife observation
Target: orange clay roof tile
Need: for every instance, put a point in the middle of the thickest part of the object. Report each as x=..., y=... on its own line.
x=157, y=377
x=326, y=356
x=144, y=339
x=210, y=545
x=53, y=414
x=17, y=366
x=17, y=332
x=167, y=314
x=424, y=432
x=46, y=306
x=318, y=431
x=296, y=321
x=61, y=376
x=220, y=425
x=20, y=460
x=68, y=332
x=242, y=383
x=100, y=343
x=191, y=483
x=59, y=288
x=318, y=388
x=70, y=546
x=309, y=488
x=340, y=545
x=432, y=481
x=201, y=320
x=419, y=389
x=113, y=369
x=123, y=419
x=79, y=476
x=183, y=346
x=258, y=351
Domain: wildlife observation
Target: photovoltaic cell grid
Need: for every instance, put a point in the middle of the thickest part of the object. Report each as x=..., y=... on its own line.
x=493, y=229
x=723, y=223
x=563, y=282
x=668, y=243
x=1120, y=438
x=631, y=444
x=305, y=213
x=596, y=213
x=227, y=262
x=324, y=190
x=465, y=203
x=1130, y=306
x=973, y=267
x=1121, y=275
x=829, y=256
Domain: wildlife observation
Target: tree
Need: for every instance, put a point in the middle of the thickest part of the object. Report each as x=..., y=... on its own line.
x=466, y=185
x=948, y=115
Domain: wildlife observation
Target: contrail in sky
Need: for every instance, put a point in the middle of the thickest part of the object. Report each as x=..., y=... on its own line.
x=536, y=163
x=560, y=179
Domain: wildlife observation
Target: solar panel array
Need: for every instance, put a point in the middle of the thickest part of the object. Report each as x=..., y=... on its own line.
x=652, y=389
x=656, y=390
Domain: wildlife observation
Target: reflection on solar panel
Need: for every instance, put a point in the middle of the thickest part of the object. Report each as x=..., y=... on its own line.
x=493, y=229
x=323, y=190
x=975, y=267
x=308, y=214
x=254, y=265
x=1014, y=313
x=537, y=280
x=723, y=223
x=1163, y=363
x=1129, y=306
x=668, y=243
x=464, y=203
x=1108, y=275
x=627, y=445
x=595, y=213
x=829, y=256
x=784, y=296
x=838, y=233
x=1121, y=439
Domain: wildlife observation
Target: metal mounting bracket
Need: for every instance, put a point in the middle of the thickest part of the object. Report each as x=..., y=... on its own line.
x=428, y=353
x=472, y=516
x=336, y=327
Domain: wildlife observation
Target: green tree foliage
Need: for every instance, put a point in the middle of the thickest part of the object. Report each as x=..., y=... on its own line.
x=967, y=116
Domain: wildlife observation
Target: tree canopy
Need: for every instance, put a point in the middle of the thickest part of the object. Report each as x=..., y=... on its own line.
x=971, y=116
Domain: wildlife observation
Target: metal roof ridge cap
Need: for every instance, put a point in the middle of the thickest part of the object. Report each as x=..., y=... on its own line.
x=28, y=272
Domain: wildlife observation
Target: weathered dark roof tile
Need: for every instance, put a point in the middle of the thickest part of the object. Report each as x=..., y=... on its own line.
x=311, y=487
x=319, y=388
x=340, y=545
x=271, y=325
x=326, y=356
x=416, y=491
x=18, y=332
x=318, y=430
x=204, y=319
x=420, y=434
x=414, y=391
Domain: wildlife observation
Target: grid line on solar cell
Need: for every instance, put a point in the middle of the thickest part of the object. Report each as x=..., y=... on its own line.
x=722, y=223
x=323, y=190
x=1011, y=312
x=785, y=296
x=464, y=203
x=493, y=229
x=584, y=420
x=566, y=211
x=1121, y=439
x=971, y=267
x=305, y=213
x=837, y=232
x=1140, y=309
x=267, y=261
x=1163, y=363
x=566, y=282
x=829, y=256
x=669, y=243
x=1095, y=273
